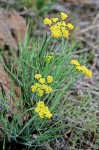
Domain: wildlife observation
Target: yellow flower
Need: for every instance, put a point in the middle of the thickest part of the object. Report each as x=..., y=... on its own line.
x=65, y=32
x=48, y=58
x=48, y=89
x=54, y=19
x=41, y=115
x=59, y=23
x=49, y=79
x=75, y=62
x=56, y=32
x=35, y=86
x=43, y=86
x=63, y=24
x=42, y=80
x=70, y=26
x=63, y=16
x=40, y=104
x=37, y=76
x=43, y=110
x=47, y=21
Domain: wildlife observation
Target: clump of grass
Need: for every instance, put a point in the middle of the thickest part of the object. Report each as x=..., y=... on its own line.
x=39, y=67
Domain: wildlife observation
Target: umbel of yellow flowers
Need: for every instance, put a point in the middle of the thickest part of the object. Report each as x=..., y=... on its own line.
x=40, y=88
x=58, y=27
x=83, y=69
x=43, y=110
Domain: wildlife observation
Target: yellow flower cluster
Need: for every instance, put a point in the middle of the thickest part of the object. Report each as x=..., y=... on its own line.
x=48, y=58
x=40, y=88
x=43, y=110
x=58, y=27
x=84, y=69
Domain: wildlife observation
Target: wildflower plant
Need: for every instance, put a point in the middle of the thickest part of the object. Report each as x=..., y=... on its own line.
x=44, y=77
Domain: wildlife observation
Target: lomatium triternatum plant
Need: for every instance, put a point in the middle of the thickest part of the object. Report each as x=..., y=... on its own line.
x=45, y=74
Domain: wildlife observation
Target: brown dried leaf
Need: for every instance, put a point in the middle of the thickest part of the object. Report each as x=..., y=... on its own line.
x=12, y=27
